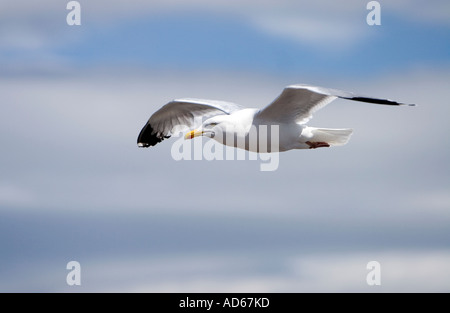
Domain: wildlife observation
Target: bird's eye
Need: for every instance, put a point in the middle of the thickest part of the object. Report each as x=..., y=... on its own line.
x=212, y=124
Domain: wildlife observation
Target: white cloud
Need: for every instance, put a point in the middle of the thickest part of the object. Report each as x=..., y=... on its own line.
x=318, y=23
x=416, y=271
x=401, y=271
x=81, y=132
x=435, y=202
x=321, y=33
x=12, y=195
x=412, y=271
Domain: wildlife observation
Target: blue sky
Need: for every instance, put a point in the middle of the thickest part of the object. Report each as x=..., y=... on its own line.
x=193, y=41
x=74, y=186
x=195, y=38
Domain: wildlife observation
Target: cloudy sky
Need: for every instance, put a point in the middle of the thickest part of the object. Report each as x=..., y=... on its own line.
x=74, y=185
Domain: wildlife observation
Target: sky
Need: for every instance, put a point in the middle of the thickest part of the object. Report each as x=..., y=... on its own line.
x=74, y=186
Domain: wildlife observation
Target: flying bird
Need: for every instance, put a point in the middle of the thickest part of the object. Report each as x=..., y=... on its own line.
x=234, y=125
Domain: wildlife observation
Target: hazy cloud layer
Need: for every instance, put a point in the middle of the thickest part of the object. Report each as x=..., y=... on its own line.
x=79, y=134
x=75, y=186
x=321, y=23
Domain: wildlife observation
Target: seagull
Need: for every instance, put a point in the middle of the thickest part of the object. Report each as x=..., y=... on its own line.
x=233, y=125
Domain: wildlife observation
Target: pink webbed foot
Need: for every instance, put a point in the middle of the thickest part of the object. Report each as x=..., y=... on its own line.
x=317, y=144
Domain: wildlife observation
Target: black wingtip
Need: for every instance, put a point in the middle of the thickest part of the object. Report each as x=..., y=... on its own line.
x=377, y=101
x=148, y=138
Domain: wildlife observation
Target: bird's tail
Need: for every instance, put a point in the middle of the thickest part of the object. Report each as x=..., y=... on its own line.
x=334, y=137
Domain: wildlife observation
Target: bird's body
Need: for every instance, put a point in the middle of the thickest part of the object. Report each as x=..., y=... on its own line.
x=280, y=126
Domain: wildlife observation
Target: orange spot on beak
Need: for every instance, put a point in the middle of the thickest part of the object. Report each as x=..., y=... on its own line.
x=192, y=134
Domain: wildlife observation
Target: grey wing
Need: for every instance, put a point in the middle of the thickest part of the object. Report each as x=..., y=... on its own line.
x=180, y=115
x=297, y=103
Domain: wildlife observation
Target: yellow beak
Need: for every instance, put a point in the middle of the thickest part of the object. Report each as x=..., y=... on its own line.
x=192, y=134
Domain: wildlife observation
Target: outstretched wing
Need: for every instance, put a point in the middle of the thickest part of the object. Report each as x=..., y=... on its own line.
x=179, y=115
x=297, y=103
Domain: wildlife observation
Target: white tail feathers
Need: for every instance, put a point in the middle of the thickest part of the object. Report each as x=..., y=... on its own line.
x=334, y=137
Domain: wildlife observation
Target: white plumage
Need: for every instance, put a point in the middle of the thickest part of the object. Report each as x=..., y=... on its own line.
x=280, y=126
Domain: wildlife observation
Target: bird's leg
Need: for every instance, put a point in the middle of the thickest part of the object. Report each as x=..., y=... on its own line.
x=317, y=144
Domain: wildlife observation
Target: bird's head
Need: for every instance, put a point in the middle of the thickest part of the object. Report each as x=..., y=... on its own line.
x=210, y=128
